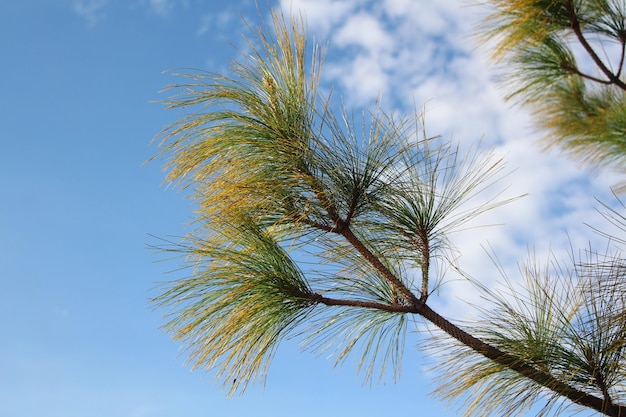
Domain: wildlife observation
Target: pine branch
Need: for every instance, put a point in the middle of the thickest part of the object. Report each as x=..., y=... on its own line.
x=574, y=70
x=602, y=384
x=418, y=306
x=575, y=26
x=519, y=365
x=409, y=297
x=392, y=308
x=604, y=406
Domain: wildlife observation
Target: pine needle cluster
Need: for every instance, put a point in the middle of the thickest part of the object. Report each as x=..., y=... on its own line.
x=564, y=60
x=565, y=320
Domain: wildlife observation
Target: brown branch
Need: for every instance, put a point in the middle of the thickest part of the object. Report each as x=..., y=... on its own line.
x=608, y=401
x=409, y=297
x=424, y=247
x=418, y=306
x=392, y=308
x=517, y=364
x=314, y=224
x=574, y=70
x=351, y=210
x=604, y=406
x=599, y=378
x=621, y=58
x=575, y=25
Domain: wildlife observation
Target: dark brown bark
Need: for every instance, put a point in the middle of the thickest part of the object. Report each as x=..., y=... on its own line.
x=392, y=308
x=575, y=25
x=509, y=361
x=409, y=297
x=516, y=364
x=418, y=306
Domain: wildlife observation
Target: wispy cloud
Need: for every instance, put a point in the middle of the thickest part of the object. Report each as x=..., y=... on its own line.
x=90, y=10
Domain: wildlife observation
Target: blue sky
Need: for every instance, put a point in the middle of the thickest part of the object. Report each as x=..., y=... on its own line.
x=77, y=108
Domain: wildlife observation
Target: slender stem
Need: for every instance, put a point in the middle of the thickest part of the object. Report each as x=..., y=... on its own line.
x=425, y=249
x=423, y=245
x=352, y=209
x=392, y=308
x=573, y=70
x=314, y=224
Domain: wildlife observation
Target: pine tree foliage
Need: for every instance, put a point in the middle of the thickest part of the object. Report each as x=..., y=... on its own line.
x=320, y=225
x=566, y=319
x=564, y=60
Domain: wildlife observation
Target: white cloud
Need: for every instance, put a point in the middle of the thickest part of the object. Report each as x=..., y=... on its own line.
x=439, y=18
x=363, y=30
x=363, y=76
